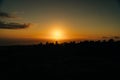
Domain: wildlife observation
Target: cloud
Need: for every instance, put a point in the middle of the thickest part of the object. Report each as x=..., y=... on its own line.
x=7, y=15
x=105, y=37
x=117, y=37
x=4, y=25
x=111, y=37
x=14, y=25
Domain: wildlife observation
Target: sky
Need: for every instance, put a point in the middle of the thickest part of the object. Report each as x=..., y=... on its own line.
x=24, y=20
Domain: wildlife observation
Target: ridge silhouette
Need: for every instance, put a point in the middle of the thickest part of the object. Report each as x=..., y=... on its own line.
x=65, y=59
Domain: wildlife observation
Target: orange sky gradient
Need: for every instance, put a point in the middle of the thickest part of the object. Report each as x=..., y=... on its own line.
x=59, y=20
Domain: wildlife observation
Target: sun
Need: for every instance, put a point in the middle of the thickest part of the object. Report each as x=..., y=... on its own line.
x=57, y=34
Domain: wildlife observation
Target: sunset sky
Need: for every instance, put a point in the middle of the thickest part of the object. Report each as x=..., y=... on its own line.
x=24, y=20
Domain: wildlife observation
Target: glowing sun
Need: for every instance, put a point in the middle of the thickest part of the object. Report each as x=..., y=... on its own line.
x=57, y=34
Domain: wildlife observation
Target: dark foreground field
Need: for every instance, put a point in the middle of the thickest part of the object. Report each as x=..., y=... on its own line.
x=61, y=60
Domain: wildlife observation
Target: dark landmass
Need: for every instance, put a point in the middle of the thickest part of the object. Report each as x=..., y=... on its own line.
x=61, y=60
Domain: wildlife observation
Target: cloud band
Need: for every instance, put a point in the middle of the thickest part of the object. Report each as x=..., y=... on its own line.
x=13, y=25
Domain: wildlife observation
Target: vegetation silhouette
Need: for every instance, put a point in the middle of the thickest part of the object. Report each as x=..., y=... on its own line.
x=65, y=59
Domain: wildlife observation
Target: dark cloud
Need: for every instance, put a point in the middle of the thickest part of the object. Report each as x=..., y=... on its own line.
x=104, y=37
x=117, y=37
x=4, y=25
x=6, y=15
x=14, y=25
x=111, y=37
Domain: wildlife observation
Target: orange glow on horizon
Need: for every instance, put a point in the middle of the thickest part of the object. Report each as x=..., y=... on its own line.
x=59, y=32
